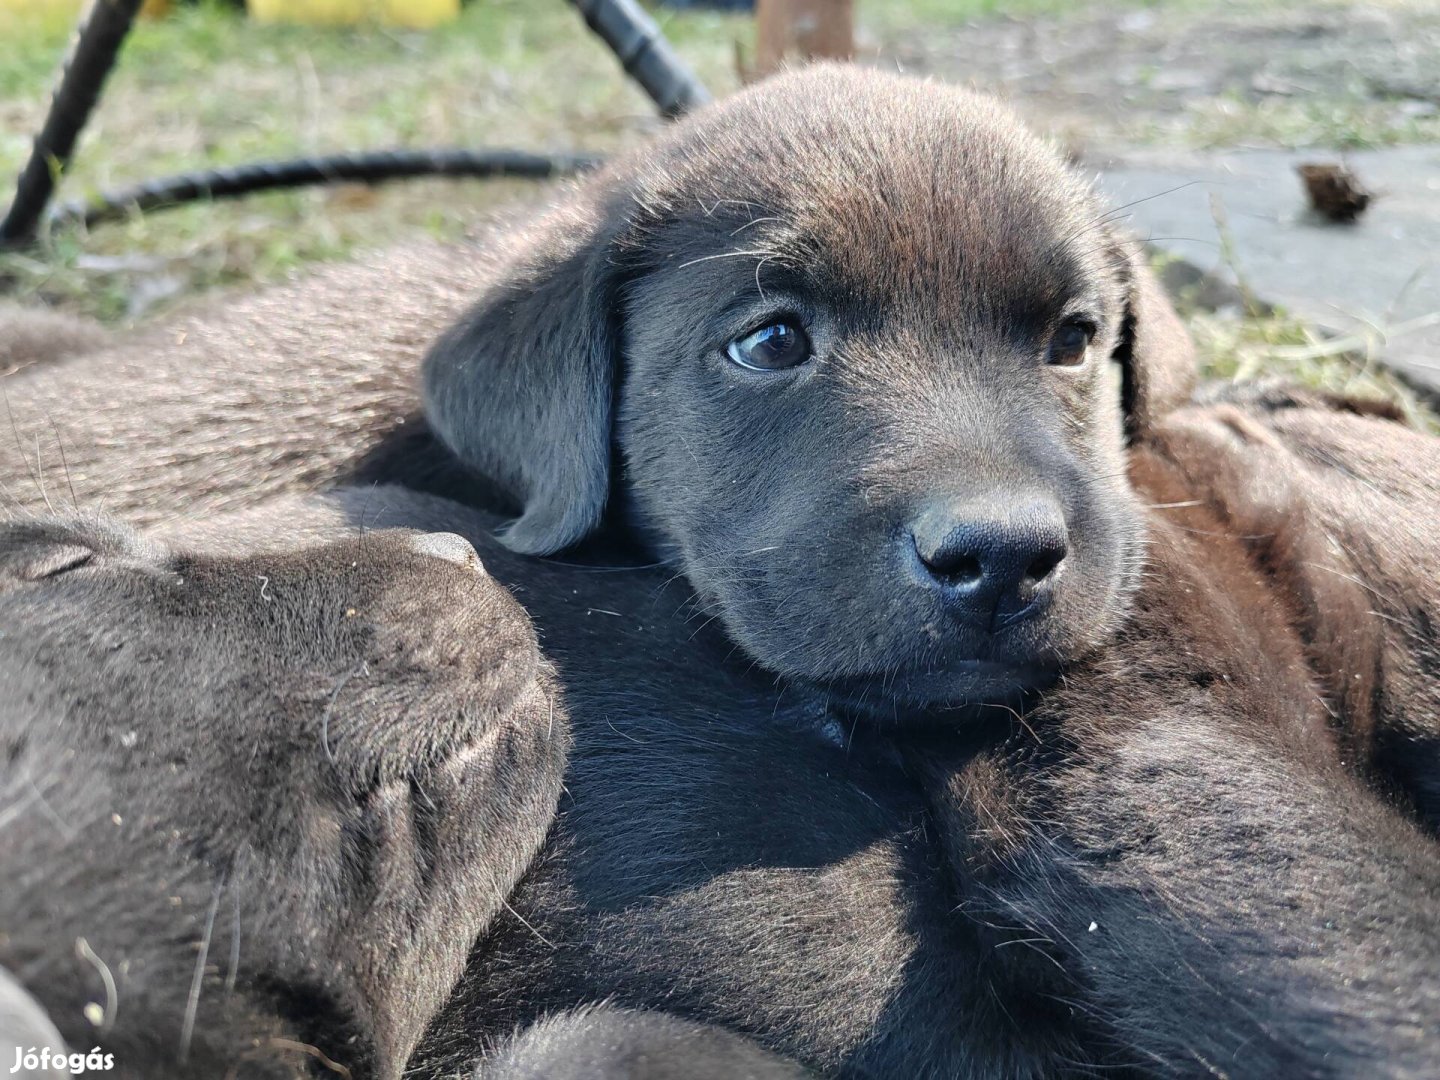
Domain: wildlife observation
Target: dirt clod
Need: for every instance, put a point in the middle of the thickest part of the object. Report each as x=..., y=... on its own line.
x=1335, y=192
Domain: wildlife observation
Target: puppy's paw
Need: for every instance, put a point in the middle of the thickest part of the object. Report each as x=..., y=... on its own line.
x=436, y=655
x=446, y=738
x=610, y=1043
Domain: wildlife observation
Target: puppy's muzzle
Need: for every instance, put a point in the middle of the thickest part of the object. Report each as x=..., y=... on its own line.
x=991, y=565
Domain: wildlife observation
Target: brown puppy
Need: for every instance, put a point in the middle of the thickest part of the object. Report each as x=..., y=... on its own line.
x=1340, y=504
x=843, y=350
x=226, y=406
x=1180, y=815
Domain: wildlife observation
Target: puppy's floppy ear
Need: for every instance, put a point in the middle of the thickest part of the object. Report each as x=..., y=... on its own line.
x=1155, y=353
x=521, y=387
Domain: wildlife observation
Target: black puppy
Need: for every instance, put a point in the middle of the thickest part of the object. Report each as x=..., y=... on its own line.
x=841, y=349
x=851, y=338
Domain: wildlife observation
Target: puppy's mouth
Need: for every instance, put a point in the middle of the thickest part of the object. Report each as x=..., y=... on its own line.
x=955, y=695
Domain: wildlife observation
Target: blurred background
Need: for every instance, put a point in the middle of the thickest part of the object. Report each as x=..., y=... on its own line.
x=1144, y=91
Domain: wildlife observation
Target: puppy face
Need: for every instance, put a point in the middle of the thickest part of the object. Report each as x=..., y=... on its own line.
x=855, y=337
x=868, y=409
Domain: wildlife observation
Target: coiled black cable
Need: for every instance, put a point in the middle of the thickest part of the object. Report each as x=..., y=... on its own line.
x=372, y=167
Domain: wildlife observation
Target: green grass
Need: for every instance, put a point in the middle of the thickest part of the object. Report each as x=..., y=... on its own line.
x=1346, y=122
x=208, y=87
x=1274, y=345
x=1247, y=339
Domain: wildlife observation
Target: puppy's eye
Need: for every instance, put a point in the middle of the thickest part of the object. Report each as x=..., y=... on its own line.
x=55, y=560
x=774, y=347
x=1067, y=347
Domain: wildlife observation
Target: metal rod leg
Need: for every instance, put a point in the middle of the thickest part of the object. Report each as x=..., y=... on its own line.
x=92, y=55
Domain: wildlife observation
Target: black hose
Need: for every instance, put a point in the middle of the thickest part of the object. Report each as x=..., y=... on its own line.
x=92, y=55
x=369, y=168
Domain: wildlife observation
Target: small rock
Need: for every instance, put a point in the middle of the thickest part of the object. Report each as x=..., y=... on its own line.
x=1415, y=108
x=1136, y=22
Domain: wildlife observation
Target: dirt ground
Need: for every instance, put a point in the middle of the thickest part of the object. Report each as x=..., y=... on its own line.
x=1203, y=74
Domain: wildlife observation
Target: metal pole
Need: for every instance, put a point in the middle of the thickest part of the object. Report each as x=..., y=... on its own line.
x=91, y=57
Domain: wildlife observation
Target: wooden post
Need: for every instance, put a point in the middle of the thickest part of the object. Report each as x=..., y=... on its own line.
x=802, y=30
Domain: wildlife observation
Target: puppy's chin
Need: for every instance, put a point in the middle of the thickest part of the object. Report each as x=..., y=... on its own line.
x=956, y=695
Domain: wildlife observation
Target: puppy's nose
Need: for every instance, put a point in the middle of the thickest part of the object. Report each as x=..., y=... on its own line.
x=992, y=565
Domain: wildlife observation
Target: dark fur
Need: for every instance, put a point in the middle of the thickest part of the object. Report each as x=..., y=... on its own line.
x=340, y=761
x=1340, y=511
x=725, y=852
x=1176, y=835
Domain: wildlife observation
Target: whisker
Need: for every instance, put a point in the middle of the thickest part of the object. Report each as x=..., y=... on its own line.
x=728, y=255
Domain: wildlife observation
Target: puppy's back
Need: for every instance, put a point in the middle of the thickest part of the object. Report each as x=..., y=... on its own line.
x=31, y=336
x=1340, y=501
x=237, y=400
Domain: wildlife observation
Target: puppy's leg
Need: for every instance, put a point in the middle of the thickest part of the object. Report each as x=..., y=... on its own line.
x=608, y=1043
x=288, y=787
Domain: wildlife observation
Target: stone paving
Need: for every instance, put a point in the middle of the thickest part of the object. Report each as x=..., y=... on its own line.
x=1243, y=215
